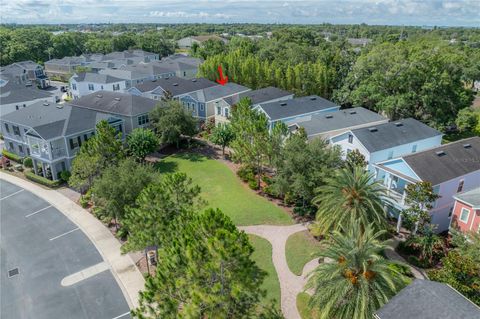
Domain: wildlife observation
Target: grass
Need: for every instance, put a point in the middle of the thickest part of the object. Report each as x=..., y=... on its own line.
x=302, y=305
x=299, y=249
x=223, y=190
x=263, y=257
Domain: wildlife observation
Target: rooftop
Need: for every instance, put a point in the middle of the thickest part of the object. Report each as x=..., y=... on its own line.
x=115, y=103
x=96, y=78
x=260, y=95
x=176, y=86
x=471, y=197
x=384, y=136
x=295, y=107
x=218, y=91
x=16, y=93
x=341, y=119
x=446, y=162
x=424, y=299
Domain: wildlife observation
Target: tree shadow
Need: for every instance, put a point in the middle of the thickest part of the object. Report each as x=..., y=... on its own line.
x=166, y=166
x=192, y=157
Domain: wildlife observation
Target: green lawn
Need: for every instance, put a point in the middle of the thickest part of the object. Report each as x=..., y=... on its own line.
x=301, y=248
x=302, y=306
x=223, y=190
x=263, y=257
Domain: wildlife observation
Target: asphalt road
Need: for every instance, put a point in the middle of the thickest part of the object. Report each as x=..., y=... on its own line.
x=46, y=247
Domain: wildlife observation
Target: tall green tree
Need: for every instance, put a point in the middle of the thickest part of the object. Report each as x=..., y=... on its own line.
x=350, y=198
x=355, y=280
x=206, y=272
x=222, y=135
x=419, y=198
x=142, y=142
x=354, y=159
x=172, y=121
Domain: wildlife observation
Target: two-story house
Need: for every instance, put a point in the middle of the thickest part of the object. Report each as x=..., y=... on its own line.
x=172, y=87
x=325, y=126
x=51, y=134
x=131, y=109
x=451, y=169
x=466, y=211
x=291, y=110
x=26, y=72
x=87, y=82
x=204, y=103
x=183, y=66
x=265, y=95
x=389, y=140
x=65, y=67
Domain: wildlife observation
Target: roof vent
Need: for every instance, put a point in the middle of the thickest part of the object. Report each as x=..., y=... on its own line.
x=117, y=99
x=467, y=145
x=154, y=80
x=175, y=84
x=329, y=116
x=313, y=98
x=440, y=153
x=45, y=104
x=373, y=129
x=398, y=124
x=194, y=80
x=99, y=96
x=353, y=112
x=283, y=104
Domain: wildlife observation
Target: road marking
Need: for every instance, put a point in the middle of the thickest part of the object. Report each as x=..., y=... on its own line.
x=122, y=315
x=68, y=232
x=84, y=274
x=12, y=194
x=38, y=211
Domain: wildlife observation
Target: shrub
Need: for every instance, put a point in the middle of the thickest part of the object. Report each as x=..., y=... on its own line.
x=403, y=269
x=65, y=176
x=246, y=173
x=305, y=211
x=12, y=156
x=253, y=184
x=28, y=162
x=84, y=200
x=41, y=180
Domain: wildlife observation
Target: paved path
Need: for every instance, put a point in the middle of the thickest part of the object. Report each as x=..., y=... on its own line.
x=393, y=255
x=124, y=270
x=290, y=284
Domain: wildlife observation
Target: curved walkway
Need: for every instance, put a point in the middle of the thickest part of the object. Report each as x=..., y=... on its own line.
x=123, y=268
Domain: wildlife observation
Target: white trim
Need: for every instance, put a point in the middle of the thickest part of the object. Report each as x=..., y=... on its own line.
x=473, y=218
x=450, y=221
x=461, y=213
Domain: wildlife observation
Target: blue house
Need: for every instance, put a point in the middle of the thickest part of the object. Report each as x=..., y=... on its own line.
x=295, y=109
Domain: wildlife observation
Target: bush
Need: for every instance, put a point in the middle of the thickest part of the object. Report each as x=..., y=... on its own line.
x=65, y=176
x=41, y=180
x=246, y=173
x=28, y=162
x=12, y=156
x=403, y=269
x=305, y=211
x=253, y=184
x=84, y=200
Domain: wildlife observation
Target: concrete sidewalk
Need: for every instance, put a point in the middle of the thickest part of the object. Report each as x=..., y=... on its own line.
x=123, y=268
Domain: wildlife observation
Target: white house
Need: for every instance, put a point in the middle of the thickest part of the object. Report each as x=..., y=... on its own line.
x=87, y=82
x=451, y=169
x=389, y=140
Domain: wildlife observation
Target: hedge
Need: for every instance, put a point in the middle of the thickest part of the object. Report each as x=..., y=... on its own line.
x=12, y=156
x=41, y=180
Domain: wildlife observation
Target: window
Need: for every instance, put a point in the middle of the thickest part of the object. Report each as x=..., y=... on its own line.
x=414, y=148
x=10, y=144
x=226, y=112
x=90, y=87
x=16, y=107
x=219, y=110
x=450, y=212
x=16, y=130
x=7, y=128
x=74, y=143
x=74, y=86
x=460, y=186
x=464, y=215
x=390, y=155
x=116, y=87
x=184, y=73
x=202, y=107
x=143, y=119
x=24, y=105
x=350, y=138
x=20, y=148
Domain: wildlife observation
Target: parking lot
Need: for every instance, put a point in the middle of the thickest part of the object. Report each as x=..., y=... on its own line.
x=40, y=247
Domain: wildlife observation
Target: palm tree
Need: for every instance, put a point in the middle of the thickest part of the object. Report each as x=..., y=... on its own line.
x=356, y=280
x=351, y=197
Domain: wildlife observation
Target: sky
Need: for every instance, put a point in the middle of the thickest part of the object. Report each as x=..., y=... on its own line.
x=389, y=12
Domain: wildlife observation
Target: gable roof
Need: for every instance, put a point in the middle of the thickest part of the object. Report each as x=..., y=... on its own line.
x=96, y=78
x=175, y=85
x=295, y=107
x=259, y=96
x=115, y=103
x=341, y=119
x=218, y=91
x=446, y=162
x=424, y=299
x=393, y=134
x=471, y=197
x=15, y=93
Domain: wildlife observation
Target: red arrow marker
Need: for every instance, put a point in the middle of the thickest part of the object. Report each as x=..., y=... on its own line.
x=222, y=80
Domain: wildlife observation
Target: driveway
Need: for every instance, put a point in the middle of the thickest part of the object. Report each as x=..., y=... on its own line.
x=60, y=272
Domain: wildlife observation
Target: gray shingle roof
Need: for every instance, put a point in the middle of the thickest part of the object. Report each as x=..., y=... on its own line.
x=424, y=299
x=96, y=78
x=218, y=91
x=446, y=162
x=471, y=197
x=16, y=93
x=175, y=85
x=260, y=96
x=295, y=107
x=116, y=103
x=393, y=134
x=338, y=120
